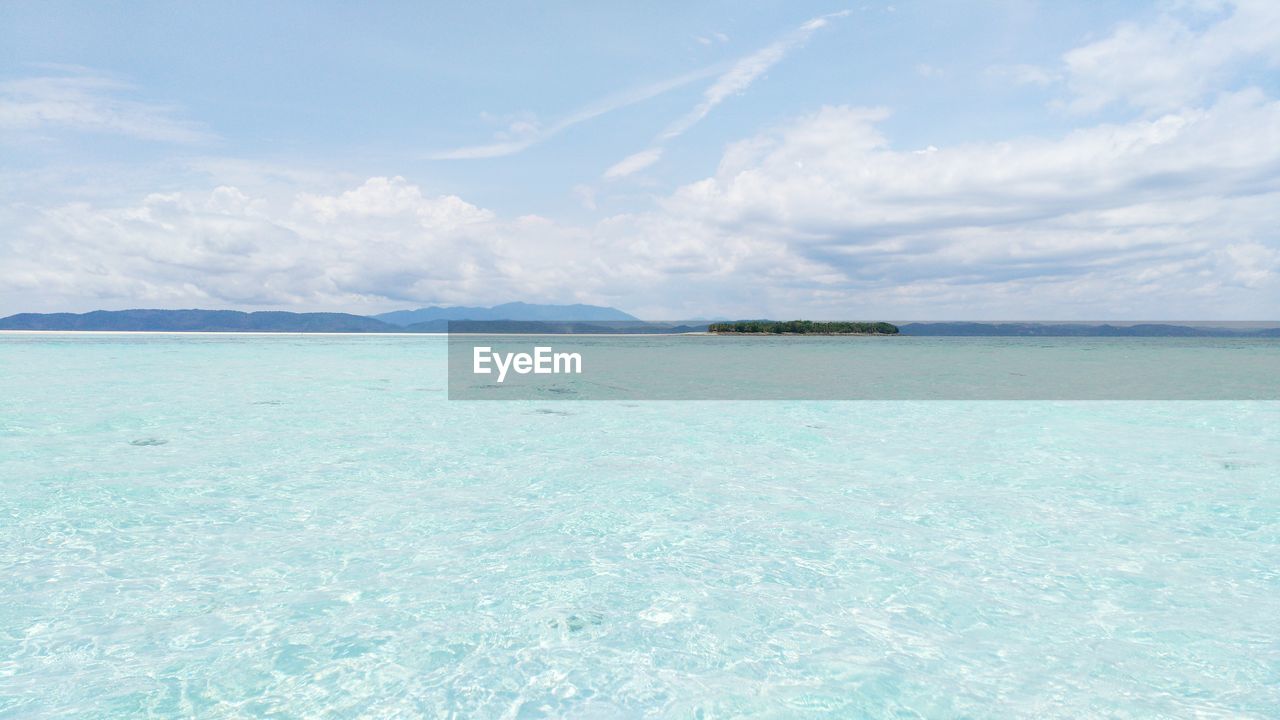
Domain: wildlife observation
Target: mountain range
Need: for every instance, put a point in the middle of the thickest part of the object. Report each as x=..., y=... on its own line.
x=1027, y=329
x=501, y=318
x=552, y=319
x=195, y=321
x=508, y=311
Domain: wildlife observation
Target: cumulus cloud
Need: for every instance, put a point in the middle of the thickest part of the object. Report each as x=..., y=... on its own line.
x=1172, y=216
x=1176, y=59
x=835, y=166
x=381, y=244
x=1160, y=207
x=85, y=101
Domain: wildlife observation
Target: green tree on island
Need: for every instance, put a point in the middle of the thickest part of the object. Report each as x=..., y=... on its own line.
x=803, y=327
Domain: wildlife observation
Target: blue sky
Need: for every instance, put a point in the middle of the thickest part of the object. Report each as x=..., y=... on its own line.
x=996, y=160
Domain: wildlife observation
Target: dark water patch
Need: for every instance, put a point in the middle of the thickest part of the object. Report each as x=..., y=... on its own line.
x=269, y=402
x=577, y=622
x=148, y=442
x=1237, y=464
x=544, y=411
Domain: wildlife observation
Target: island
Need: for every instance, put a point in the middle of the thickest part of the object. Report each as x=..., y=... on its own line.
x=801, y=327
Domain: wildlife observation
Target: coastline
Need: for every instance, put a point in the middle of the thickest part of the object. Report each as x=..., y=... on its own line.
x=338, y=334
x=205, y=332
x=791, y=334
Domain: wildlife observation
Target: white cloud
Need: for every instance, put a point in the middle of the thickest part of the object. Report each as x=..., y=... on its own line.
x=522, y=137
x=90, y=102
x=1174, y=60
x=1148, y=214
x=1252, y=264
x=836, y=164
x=380, y=243
x=743, y=73
x=1169, y=217
x=633, y=163
x=382, y=197
x=735, y=80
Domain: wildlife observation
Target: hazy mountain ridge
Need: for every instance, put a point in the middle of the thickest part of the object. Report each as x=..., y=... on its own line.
x=545, y=327
x=195, y=321
x=975, y=329
x=507, y=311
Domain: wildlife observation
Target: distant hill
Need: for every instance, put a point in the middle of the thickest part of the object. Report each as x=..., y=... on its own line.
x=507, y=311
x=604, y=327
x=972, y=329
x=801, y=327
x=552, y=322
x=195, y=321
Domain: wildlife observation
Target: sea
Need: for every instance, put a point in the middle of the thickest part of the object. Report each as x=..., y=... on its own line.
x=306, y=526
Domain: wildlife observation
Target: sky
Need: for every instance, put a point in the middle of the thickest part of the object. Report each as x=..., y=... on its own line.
x=991, y=160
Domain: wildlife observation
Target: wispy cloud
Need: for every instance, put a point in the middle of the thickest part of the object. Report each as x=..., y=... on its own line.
x=634, y=163
x=1180, y=57
x=533, y=136
x=734, y=81
x=87, y=101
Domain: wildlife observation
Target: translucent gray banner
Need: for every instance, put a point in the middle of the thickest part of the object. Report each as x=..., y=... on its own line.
x=856, y=367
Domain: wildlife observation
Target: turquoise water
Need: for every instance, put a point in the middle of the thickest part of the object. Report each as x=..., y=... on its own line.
x=245, y=526
x=702, y=367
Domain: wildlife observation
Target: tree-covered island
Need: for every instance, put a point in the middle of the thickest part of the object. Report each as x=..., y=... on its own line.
x=801, y=327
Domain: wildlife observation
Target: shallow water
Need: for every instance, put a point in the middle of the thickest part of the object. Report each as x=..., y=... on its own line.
x=240, y=526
